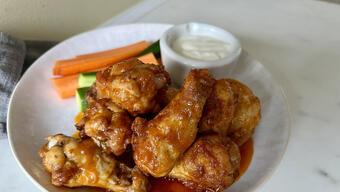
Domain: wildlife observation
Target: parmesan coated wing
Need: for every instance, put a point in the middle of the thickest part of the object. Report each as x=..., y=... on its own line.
x=75, y=162
x=219, y=109
x=247, y=113
x=132, y=85
x=158, y=143
x=210, y=164
x=108, y=126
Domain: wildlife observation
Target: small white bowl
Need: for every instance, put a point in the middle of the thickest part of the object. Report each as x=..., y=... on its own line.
x=178, y=66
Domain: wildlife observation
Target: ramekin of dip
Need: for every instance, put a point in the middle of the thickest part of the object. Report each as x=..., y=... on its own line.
x=198, y=45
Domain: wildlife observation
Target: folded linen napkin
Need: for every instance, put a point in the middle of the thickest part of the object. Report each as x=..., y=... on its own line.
x=12, y=55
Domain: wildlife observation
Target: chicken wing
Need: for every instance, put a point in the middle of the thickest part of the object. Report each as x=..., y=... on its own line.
x=247, y=113
x=132, y=85
x=75, y=162
x=108, y=126
x=210, y=164
x=219, y=109
x=158, y=143
x=165, y=96
x=91, y=94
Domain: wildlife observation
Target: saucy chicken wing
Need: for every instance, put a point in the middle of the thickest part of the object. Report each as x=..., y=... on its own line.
x=219, y=109
x=247, y=113
x=132, y=85
x=210, y=164
x=108, y=126
x=158, y=143
x=75, y=162
x=91, y=94
x=165, y=96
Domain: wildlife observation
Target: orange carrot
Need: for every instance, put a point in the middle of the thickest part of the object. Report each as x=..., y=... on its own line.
x=149, y=58
x=139, y=45
x=92, y=63
x=65, y=86
x=114, y=51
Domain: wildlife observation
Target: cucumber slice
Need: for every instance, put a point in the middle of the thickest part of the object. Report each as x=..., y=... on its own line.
x=154, y=48
x=86, y=79
x=80, y=97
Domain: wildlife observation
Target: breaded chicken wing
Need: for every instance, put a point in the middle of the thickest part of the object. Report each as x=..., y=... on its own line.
x=158, y=143
x=75, y=162
x=219, y=109
x=210, y=164
x=132, y=85
x=247, y=113
x=108, y=126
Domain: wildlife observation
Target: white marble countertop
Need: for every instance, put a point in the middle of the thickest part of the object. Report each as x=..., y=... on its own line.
x=299, y=42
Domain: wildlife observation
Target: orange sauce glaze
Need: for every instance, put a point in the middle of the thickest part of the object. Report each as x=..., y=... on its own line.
x=76, y=135
x=78, y=117
x=247, y=151
x=166, y=185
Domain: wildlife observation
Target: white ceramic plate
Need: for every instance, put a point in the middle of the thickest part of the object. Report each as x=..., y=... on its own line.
x=36, y=111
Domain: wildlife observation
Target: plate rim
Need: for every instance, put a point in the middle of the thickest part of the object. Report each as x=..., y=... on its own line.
x=34, y=64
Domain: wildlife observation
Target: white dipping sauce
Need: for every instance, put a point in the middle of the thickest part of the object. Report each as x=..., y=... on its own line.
x=201, y=47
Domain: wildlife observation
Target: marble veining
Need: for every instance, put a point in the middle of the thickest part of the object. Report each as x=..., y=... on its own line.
x=311, y=115
x=326, y=175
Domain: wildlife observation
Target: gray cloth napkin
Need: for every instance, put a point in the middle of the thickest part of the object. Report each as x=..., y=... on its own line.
x=12, y=55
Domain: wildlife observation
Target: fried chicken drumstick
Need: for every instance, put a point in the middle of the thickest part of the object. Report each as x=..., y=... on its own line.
x=158, y=143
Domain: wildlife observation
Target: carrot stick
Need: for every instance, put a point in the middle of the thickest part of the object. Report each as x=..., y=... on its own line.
x=65, y=86
x=114, y=51
x=149, y=58
x=139, y=45
x=86, y=65
x=92, y=62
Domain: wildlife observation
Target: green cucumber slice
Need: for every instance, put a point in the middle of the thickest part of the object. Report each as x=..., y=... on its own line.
x=154, y=48
x=80, y=97
x=86, y=79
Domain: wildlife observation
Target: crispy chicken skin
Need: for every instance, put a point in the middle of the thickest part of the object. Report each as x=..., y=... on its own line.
x=158, y=143
x=210, y=164
x=108, y=126
x=91, y=94
x=165, y=96
x=219, y=109
x=132, y=85
x=247, y=113
x=75, y=162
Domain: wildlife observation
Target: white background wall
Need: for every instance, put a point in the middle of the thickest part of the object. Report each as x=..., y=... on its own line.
x=56, y=19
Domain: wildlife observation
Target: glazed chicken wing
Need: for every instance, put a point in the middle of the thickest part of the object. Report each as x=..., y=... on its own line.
x=165, y=96
x=210, y=164
x=74, y=163
x=91, y=94
x=132, y=85
x=108, y=126
x=219, y=109
x=158, y=143
x=247, y=113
